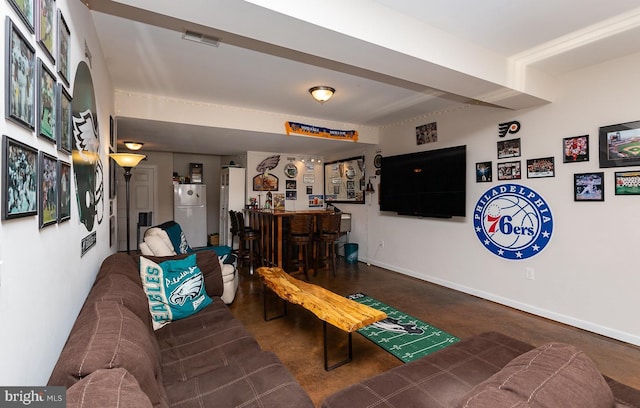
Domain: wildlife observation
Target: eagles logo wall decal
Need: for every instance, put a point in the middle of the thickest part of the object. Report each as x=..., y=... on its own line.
x=512, y=127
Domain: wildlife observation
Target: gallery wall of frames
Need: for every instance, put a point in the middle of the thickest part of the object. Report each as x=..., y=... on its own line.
x=38, y=100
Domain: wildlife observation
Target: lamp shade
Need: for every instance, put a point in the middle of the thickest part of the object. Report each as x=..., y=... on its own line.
x=127, y=159
x=322, y=93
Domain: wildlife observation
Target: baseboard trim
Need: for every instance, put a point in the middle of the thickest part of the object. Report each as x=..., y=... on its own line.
x=547, y=314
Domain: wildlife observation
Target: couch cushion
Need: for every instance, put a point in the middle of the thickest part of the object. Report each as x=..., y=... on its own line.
x=108, y=335
x=119, y=263
x=175, y=289
x=553, y=375
x=107, y=388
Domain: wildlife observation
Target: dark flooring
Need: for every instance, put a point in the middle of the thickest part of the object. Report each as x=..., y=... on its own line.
x=297, y=338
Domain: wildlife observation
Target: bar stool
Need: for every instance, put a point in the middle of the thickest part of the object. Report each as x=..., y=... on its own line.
x=326, y=241
x=233, y=219
x=299, y=241
x=248, y=247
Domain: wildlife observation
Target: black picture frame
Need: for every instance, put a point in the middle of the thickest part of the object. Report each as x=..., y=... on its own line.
x=588, y=186
x=627, y=182
x=511, y=170
x=64, y=44
x=112, y=177
x=46, y=103
x=542, y=167
x=64, y=125
x=113, y=143
x=508, y=148
x=64, y=191
x=484, y=172
x=19, y=179
x=619, y=145
x=47, y=190
x=20, y=73
x=575, y=149
x=45, y=27
x=25, y=10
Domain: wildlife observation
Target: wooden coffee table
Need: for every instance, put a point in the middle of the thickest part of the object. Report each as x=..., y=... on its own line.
x=343, y=313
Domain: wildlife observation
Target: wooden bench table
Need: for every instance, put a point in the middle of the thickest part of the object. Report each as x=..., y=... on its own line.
x=343, y=313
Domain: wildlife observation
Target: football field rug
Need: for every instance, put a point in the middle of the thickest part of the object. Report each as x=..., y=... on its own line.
x=402, y=335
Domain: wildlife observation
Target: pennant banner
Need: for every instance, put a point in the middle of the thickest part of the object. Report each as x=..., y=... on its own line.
x=308, y=130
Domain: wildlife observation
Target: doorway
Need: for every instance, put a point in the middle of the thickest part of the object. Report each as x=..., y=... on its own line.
x=142, y=200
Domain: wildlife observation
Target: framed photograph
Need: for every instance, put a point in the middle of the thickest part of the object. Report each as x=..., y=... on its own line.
x=291, y=195
x=509, y=170
x=64, y=126
x=627, y=182
x=265, y=182
x=539, y=168
x=19, y=179
x=64, y=191
x=24, y=8
x=45, y=27
x=291, y=184
x=48, y=190
x=64, y=39
x=309, y=178
x=575, y=149
x=620, y=145
x=20, y=73
x=508, y=148
x=588, y=187
x=484, y=172
x=46, y=103
x=427, y=133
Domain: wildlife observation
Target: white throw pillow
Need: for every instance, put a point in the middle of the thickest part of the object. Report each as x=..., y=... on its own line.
x=157, y=245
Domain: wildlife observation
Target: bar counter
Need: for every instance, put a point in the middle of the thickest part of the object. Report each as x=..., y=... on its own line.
x=273, y=226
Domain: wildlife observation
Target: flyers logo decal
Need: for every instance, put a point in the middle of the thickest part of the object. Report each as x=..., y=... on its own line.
x=508, y=127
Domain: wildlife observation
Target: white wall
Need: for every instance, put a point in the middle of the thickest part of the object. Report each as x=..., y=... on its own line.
x=587, y=275
x=43, y=278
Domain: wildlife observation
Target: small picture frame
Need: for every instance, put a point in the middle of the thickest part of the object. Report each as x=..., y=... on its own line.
x=46, y=103
x=64, y=124
x=19, y=179
x=24, y=8
x=539, y=168
x=575, y=149
x=509, y=170
x=309, y=178
x=291, y=184
x=64, y=44
x=20, y=74
x=508, y=148
x=627, y=182
x=48, y=190
x=45, y=28
x=484, y=173
x=588, y=186
x=620, y=145
x=64, y=191
x=427, y=133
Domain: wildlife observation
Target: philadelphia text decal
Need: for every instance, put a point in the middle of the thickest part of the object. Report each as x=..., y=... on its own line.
x=513, y=221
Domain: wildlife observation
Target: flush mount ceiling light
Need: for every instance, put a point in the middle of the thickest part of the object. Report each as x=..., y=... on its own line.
x=133, y=145
x=322, y=93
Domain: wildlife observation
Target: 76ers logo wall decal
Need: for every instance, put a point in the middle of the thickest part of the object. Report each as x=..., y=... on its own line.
x=513, y=221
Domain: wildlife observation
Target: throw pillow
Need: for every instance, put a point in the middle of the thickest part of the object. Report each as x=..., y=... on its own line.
x=175, y=289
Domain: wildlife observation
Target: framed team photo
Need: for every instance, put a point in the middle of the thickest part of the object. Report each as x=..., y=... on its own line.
x=484, y=172
x=627, y=182
x=588, y=187
x=64, y=39
x=24, y=8
x=63, y=125
x=539, y=168
x=508, y=148
x=45, y=27
x=575, y=149
x=19, y=179
x=48, y=190
x=64, y=191
x=46, y=103
x=620, y=145
x=509, y=170
x=20, y=73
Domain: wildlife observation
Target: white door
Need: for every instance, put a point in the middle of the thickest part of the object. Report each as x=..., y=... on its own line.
x=142, y=192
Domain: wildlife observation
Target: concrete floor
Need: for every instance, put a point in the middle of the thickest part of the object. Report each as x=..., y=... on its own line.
x=297, y=338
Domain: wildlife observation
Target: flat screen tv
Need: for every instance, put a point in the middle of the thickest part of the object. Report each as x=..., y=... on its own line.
x=425, y=184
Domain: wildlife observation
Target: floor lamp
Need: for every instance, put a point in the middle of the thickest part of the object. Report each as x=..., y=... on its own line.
x=127, y=161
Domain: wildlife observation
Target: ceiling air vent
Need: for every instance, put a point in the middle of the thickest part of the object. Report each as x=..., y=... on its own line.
x=201, y=38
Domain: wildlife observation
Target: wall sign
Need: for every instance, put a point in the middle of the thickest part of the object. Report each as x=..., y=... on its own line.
x=513, y=221
x=317, y=131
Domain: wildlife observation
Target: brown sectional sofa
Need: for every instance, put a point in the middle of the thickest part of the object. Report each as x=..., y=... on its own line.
x=114, y=358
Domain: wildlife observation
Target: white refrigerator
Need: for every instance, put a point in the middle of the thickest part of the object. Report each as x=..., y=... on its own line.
x=190, y=211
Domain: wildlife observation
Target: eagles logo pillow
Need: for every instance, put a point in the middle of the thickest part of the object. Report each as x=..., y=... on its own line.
x=175, y=289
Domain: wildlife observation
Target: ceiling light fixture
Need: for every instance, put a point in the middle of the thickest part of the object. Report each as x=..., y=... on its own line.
x=133, y=145
x=322, y=93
